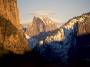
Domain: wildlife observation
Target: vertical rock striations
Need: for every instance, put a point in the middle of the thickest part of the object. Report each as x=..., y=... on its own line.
x=9, y=10
x=11, y=36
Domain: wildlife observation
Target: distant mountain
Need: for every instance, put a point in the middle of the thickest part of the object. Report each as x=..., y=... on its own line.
x=83, y=24
x=63, y=44
x=41, y=24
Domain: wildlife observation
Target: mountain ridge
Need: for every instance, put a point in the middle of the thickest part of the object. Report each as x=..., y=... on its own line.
x=41, y=24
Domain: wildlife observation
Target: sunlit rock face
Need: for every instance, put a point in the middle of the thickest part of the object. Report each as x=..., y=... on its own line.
x=41, y=24
x=60, y=44
x=54, y=35
x=9, y=10
x=56, y=48
x=11, y=35
x=84, y=26
x=83, y=23
x=58, y=35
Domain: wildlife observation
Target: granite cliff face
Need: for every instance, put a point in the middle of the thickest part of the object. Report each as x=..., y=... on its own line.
x=83, y=28
x=83, y=23
x=38, y=30
x=68, y=43
x=41, y=24
x=9, y=10
x=11, y=34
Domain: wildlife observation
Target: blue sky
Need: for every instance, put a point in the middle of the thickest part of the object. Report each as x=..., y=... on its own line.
x=58, y=10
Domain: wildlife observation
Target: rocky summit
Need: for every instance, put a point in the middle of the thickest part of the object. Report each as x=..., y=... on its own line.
x=41, y=24
x=58, y=34
x=65, y=44
x=11, y=35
